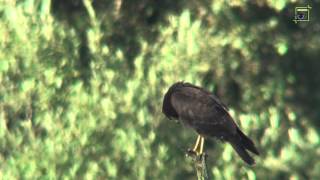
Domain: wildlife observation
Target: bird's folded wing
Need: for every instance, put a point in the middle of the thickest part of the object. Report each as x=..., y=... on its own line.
x=200, y=110
x=217, y=100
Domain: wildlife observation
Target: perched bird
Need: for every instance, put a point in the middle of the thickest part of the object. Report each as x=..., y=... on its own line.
x=208, y=116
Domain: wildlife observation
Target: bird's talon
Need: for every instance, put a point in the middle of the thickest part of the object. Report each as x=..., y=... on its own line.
x=191, y=152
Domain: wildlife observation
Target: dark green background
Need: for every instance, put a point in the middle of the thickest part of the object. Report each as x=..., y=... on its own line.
x=81, y=87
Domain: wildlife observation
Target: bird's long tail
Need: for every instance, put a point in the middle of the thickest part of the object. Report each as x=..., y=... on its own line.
x=241, y=143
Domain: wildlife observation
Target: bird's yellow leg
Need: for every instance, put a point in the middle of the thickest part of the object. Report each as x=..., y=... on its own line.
x=198, y=147
x=197, y=144
x=201, y=144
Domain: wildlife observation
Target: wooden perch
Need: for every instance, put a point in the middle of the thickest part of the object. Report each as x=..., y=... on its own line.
x=200, y=165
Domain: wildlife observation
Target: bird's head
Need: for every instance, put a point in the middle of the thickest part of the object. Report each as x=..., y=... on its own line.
x=167, y=108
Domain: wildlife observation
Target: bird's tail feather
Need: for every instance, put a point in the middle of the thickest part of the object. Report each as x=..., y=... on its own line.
x=242, y=152
x=247, y=143
x=241, y=143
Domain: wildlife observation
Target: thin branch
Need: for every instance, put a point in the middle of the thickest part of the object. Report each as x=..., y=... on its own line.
x=199, y=164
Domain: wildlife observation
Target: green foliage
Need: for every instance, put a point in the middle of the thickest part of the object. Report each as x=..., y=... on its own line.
x=81, y=87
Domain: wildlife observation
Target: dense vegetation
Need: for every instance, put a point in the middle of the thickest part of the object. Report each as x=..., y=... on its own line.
x=81, y=86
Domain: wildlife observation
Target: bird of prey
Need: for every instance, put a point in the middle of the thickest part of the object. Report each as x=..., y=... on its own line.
x=208, y=116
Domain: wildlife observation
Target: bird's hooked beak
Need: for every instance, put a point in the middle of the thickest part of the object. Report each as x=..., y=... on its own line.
x=173, y=119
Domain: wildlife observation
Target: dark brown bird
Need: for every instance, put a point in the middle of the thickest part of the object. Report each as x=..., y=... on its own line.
x=208, y=116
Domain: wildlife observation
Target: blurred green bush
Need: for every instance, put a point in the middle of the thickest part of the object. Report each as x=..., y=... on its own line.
x=81, y=86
